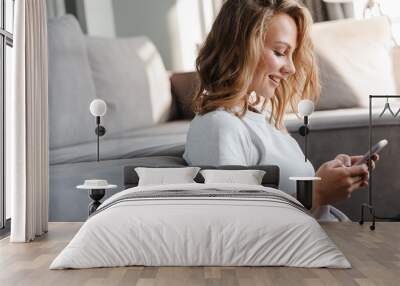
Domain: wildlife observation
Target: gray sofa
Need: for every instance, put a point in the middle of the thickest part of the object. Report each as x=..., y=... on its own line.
x=148, y=117
x=136, y=125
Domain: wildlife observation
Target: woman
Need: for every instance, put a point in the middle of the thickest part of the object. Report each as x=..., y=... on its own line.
x=259, y=55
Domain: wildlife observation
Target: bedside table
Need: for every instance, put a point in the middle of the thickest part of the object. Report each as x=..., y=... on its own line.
x=97, y=189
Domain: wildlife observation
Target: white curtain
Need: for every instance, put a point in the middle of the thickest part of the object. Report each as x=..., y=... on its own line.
x=26, y=123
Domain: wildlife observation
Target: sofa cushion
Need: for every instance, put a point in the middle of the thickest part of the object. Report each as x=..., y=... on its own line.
x=355, y=61
x=71, y=87
x=341, y=119
x=129, y=75
x=162, y=139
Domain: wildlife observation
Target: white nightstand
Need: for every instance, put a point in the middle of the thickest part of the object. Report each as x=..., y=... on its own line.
x=97, y=189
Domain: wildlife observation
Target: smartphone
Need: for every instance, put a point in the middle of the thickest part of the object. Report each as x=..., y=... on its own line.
x=375, y=150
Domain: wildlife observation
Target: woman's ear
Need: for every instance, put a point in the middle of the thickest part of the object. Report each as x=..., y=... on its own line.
x=252, y=99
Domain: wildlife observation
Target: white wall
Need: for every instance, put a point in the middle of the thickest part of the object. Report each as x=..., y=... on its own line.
x=176, y=27
x=99, y=16
x=390, y=8
x=189, y=29
x=155, y=19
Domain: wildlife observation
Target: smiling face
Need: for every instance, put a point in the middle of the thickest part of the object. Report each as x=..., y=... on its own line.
x=276, y=62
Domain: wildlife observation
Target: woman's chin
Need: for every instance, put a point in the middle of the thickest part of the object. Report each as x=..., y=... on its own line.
x=268, y=94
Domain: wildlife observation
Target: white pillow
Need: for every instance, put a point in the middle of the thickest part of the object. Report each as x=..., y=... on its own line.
x=129, y=75
x=248, y=177
x=354, y=58
x=163, y=176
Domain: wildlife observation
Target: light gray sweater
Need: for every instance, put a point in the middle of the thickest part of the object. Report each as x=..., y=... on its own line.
x=221, y=138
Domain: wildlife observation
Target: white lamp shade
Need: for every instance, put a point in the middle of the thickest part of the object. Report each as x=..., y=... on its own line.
x=98, y=107
x=305, y=107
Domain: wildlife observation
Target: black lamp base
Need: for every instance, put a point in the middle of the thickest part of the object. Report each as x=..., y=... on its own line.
x=96, y=195
x=100, y=130
x=304, y=190
x=304, y=193
x=304, y=130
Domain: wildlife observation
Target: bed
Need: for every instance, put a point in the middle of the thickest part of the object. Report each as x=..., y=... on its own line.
x=199, y=224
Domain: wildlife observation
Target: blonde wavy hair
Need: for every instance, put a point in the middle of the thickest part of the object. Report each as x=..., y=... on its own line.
x=229, y=57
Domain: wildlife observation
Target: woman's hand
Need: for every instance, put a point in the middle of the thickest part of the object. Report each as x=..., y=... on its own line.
x=339, y=178
x=349, y=161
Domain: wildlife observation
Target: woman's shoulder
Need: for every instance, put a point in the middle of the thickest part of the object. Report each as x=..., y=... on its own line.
x=217, y=124
x=217, y=118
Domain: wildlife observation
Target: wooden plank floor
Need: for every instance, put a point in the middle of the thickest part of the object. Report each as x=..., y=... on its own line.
x=375, y=257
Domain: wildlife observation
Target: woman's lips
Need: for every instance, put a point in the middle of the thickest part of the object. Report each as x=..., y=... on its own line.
x=273, y=81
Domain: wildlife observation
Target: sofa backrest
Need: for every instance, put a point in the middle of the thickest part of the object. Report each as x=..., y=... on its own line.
x=355, y=58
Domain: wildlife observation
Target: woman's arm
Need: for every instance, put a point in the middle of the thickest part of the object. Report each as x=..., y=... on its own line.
x=339, y=179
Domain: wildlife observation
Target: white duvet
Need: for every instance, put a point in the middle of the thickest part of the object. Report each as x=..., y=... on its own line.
x=200, y=231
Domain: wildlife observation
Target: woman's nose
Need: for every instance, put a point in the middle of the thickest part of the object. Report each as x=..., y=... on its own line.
x=289, y=68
